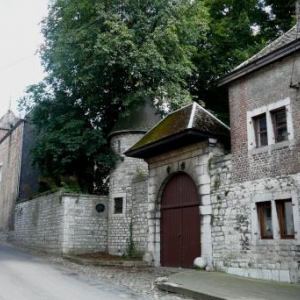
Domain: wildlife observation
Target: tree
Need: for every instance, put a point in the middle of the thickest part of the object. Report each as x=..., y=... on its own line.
x=237, y=30
x=102, y=58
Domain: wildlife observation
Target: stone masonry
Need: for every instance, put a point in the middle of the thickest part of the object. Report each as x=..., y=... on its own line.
x=196, y=159
x=61, y=223
x=127, y=171
x=237, y=246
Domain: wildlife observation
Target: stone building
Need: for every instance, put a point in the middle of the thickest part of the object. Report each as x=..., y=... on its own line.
x=128, y=190
x=189, y=187
x=178, y=151
x=247, y=201
x=256, y=224
x=18, y=179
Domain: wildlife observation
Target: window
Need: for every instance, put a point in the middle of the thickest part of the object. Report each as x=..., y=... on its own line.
x=118, y=205
x=270, y=126
x=261, y=133
x=265, y=219
x=280, y=125
x=285, y=218
x=275, y=218
x=0, y=173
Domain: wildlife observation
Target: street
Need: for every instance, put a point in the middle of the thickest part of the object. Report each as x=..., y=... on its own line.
x=24, y=277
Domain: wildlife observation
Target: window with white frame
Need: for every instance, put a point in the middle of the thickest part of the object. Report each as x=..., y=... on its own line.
x=275, y=219
x=270, y=125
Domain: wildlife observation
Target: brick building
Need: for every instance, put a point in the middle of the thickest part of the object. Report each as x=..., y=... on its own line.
x=248, y=200
x=177, y=192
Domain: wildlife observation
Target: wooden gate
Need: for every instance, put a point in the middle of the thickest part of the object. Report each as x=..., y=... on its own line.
x=180, y=222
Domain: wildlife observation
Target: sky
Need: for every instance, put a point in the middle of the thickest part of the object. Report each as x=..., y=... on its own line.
x=20, y=37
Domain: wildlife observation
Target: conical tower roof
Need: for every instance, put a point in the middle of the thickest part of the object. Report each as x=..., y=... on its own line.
x=140, y=119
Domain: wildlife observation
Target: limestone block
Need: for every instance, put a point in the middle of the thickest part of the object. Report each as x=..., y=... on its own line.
x=284, y=276
x=204, y=189
x=205, y=200
x=275, y=275
x=205, y=210
x=204, y=179
x=237, y=271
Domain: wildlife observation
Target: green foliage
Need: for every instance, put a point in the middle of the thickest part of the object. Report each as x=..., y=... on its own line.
x=103, y=58
x=237, y=30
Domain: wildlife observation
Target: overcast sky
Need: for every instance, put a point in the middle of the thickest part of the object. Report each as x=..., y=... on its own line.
x=19, y=40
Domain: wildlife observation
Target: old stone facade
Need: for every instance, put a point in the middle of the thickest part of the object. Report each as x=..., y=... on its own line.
x=238, y=247
x=61, y=223
x=247, y=202
x=255, y=229
x=126, y=198
x=196, y=159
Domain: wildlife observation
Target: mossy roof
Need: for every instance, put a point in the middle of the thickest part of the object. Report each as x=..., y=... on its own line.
x=140, y=119
x=189, y=124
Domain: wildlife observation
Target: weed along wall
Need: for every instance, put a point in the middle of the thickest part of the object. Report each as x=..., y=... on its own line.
x=62, y=223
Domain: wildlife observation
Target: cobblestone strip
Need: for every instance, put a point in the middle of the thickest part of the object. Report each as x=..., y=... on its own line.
x=140, y=280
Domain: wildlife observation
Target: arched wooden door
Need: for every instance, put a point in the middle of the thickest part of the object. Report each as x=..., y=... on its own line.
x=180, y=222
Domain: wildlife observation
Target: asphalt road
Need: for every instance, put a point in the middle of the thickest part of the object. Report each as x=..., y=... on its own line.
x=23, y=277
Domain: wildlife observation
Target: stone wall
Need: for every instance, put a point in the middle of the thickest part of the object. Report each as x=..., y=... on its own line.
x=139, y=216
x=196, y=159
x=84, y=229
x=61, y=223
x=127, y=171
x=236, y=243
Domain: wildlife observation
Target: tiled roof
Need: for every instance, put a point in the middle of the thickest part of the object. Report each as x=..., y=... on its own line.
x=191, y=118
x=283, y=40
x=285, y=45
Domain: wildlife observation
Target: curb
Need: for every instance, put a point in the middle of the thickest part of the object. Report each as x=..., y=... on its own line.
x=99, y=262
x=180, y=289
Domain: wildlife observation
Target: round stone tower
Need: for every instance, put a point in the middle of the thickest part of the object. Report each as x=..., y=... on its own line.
x=128, y=191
